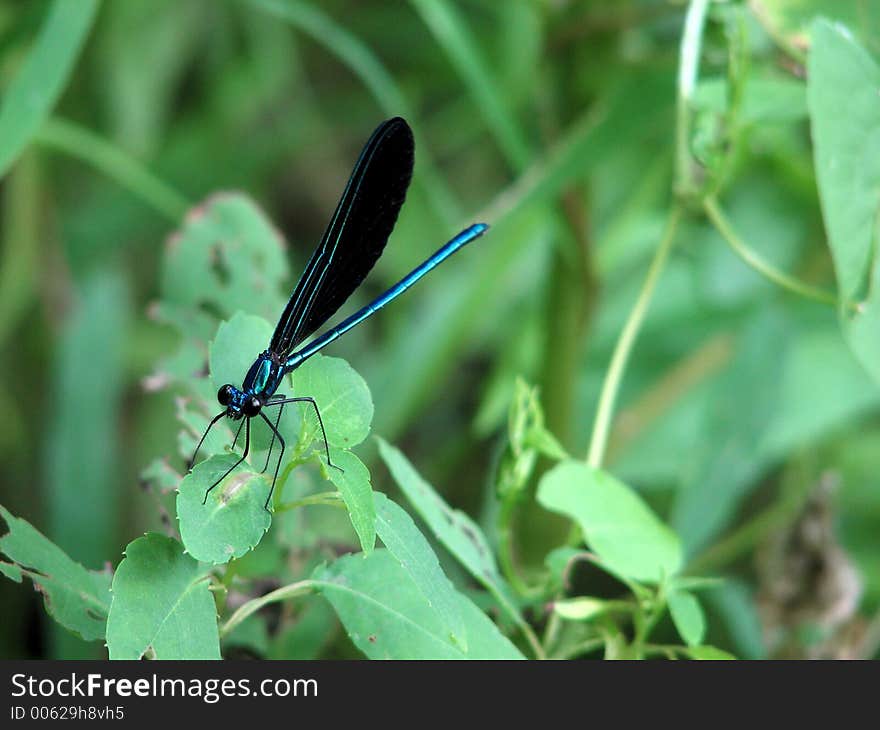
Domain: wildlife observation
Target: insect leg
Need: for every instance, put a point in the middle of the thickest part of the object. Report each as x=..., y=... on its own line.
x=247, y=446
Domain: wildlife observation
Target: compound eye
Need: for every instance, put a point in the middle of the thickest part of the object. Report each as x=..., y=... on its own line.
x=252, y=406
x=224, y=395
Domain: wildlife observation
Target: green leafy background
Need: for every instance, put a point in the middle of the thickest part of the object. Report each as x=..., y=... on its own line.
x=165, y=171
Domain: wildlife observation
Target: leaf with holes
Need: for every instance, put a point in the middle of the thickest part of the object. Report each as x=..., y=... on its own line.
x=226, y=258
x=77, y=598
x=232, y=520
x=161, y=602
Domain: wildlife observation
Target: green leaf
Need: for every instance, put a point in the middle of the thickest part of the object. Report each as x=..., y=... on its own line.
x=847, y=148
x=847, y=157
x=687, y=615
x=387, y=616
x=617, y=525
x=161, y=600
x=30, y=96
x=454, y=529
x=707, y=652
x=77, y=598
x=342, y=396
x=353, y=482
x=410, y=548
x=232, y=521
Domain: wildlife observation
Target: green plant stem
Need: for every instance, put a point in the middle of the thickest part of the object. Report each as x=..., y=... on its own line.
x=505, y=552
x=329, y=499
x=293, y=590
x=623, y=348
x=759, y=264
x=688, y=69
x=581, y=648
x=73, y=140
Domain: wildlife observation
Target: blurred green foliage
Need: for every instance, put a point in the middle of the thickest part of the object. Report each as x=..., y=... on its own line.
x=728, y=149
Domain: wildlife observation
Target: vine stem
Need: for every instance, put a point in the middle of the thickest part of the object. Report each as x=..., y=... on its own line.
x=329, y=499
x=688, y=69
x=753, y=259
x=623, y=348
x=293, y=590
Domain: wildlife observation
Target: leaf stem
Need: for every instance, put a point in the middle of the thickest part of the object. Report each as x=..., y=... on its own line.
x=582, y=648
x=753, y=259
x=688, y=69
x=623, y=348
x=329, y=499
x=292, y=590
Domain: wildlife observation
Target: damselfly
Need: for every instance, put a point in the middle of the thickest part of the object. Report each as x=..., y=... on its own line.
x=351, y=245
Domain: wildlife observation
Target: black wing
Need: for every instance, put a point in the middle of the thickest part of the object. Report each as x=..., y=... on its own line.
x=356, y=236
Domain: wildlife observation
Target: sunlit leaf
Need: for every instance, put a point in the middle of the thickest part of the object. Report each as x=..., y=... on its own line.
x=617, y=525
x=161, y=602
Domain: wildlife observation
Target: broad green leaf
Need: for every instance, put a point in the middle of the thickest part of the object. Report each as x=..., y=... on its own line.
x=387, y=616
x=708, y=652
x=842, y=75
x=161, y=600
x=233, y=520
x=342, y=397
x=617, y=525
x=688, y=617
x=353, y=482
x=457, y=532
x=77, y=598
x=409, y=547
x=30, y=96
x=847, y=149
